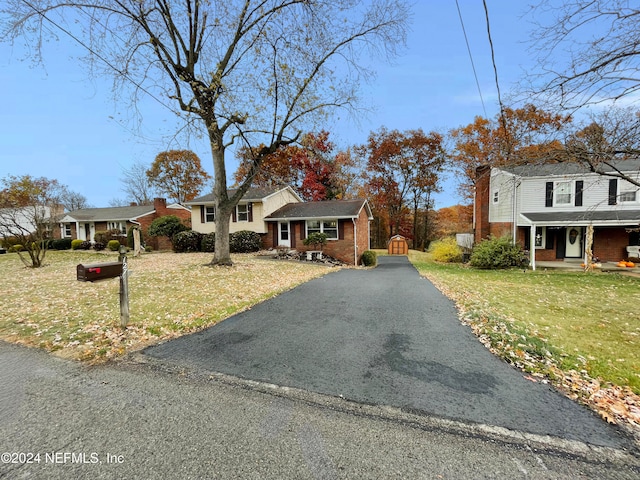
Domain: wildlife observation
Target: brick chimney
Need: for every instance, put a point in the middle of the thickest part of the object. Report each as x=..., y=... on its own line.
x=160, y=205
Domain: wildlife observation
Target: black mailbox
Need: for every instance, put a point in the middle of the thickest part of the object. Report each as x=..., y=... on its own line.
x=99, y=271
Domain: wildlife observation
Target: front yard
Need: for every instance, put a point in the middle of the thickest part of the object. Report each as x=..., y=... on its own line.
x=170, y=295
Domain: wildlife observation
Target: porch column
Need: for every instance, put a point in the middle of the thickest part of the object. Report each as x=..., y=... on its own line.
x=532, y=246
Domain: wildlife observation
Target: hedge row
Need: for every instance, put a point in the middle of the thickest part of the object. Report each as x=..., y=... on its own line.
x=243, y=241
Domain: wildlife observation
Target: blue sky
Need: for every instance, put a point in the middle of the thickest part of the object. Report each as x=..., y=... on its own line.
x=56, y=123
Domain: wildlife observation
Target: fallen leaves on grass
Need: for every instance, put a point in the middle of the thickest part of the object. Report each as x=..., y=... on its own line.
x=529, y=352
x=170, y=295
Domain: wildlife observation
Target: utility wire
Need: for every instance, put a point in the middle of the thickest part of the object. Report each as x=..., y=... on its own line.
x=495, y=68
x=97, y=55
x=464, y=31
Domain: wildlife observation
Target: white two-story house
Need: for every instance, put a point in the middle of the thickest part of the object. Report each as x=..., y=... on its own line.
x=548, y=208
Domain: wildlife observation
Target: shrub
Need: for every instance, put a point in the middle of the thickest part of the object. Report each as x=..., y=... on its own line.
x=208, y=243
x=316, y=239
x=446, y=250
x=85, y=245
x=75, y=244
x=101, y=236
x=16, y=248
x=496, y=253
x=369, y=258
x=166, y=226
x=113, y=245
x=98, y=246
x=245, y=241
x=61, y=244
x=148, y=248
x=187, y=241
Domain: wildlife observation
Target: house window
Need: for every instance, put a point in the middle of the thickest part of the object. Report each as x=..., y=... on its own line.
x=243, y=213
x=539, y=238
x=563, y=193
x=209, y=214
x=628, y=196
x=329, y=227
x=67, y=230
x=117, y=226
x=496, y=196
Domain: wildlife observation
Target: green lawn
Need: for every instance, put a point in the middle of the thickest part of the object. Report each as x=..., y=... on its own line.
x=575, y=321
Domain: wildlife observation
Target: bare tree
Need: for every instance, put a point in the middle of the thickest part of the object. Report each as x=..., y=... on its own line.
x=588, y=51
x=252, y=71
x=136, y=184
x=73, y=200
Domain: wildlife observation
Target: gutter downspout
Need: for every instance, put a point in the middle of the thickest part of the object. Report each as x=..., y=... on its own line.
x=514, y=208
x=355, y=242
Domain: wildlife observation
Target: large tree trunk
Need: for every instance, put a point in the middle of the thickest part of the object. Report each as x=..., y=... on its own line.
x=222, y=255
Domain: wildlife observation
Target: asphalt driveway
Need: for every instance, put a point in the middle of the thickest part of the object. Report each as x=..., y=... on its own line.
x=384, y=336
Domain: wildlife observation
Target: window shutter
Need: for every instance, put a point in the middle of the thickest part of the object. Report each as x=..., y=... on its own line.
x=250, y=211
x=579, y=187
x=548, y=201
x=548, y=241
x=303, y=229
x=292, y=234
x=340, y=229
x=202, y=210
x=234, y=216
x=613, y=191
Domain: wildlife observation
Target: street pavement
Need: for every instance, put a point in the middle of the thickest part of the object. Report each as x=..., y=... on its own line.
x=138, y=419
x=384, y=336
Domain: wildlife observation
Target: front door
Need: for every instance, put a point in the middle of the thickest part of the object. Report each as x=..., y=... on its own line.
x=573, y=246
x=87, y=232
x=283, y=234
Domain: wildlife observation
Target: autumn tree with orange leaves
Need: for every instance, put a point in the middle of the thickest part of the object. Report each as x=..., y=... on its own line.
x=310, y=167
x=517, y=137
x=403, y=171
x=178, y=174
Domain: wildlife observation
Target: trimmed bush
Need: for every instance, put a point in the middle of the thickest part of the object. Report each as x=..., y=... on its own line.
x=76, y=244
x=166, y=226
x=497, y=253
x=446, y=250
x=61, y=244
x=99, y=246
x=316, y=239
x=187, y=241
x=85, y=245
x=16, y=248
x=100, y=236
x=369, y=258
x=245, y=241
x=208, y=243
x=113, y=245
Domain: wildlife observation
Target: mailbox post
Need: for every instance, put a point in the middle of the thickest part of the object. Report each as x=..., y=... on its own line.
x=101, y=271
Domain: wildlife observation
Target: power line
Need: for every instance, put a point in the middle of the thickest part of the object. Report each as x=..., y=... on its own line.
x=100, y=57
x=471, y=58
x=495, y=68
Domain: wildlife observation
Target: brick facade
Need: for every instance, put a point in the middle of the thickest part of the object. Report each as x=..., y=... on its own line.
x=346, y=249
x=161, y=210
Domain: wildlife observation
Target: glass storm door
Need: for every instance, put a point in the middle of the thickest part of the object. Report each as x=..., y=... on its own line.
x=283, y=237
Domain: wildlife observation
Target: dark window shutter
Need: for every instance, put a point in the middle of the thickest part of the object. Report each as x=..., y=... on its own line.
x=292, y=234
x=234, y=216
x=202, y=209
x=548, y=199
x=527, y=240
x=274, y=230
x=303, y=230
x=548, y=240
x=613, y=191
x=340, y=229
x=579, y=187
x=250, y=211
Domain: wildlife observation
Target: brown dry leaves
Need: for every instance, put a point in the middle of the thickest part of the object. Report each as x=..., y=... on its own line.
x=528, y=352
x=170, y=295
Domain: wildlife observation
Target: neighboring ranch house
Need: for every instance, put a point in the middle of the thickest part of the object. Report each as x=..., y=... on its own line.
x=547, y=208
x=249, y=214
x=346, y=223
x=25, y=220
x=84, y=223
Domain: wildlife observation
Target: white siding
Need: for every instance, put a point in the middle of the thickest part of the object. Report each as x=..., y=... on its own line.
x=501, y=183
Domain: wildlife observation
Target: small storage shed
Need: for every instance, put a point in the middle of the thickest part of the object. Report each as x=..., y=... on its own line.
x=398, y=245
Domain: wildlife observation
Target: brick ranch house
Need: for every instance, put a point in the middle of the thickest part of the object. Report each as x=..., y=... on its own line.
x=346, y=223
x=548, y=208
x=84, y=223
